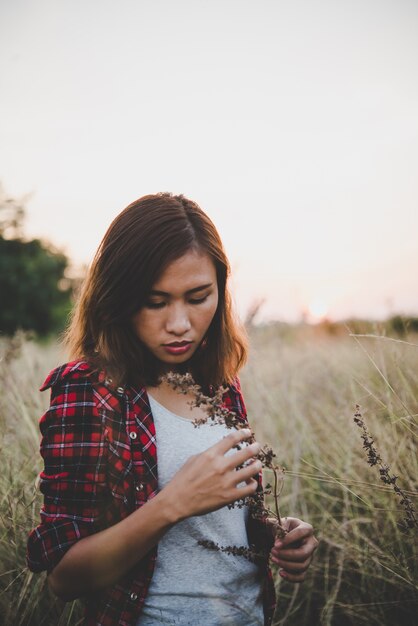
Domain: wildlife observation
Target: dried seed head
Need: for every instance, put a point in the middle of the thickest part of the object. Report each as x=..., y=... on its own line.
x=373, y=458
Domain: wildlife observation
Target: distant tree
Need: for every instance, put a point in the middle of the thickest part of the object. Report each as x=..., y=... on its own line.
x=34, y=292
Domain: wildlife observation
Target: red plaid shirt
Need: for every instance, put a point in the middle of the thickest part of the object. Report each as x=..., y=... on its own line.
x=100, y=457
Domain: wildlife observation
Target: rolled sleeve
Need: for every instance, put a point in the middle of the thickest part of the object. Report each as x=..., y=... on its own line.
x=73, y=481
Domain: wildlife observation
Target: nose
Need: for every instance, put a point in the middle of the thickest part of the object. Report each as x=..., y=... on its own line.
x=178, y=322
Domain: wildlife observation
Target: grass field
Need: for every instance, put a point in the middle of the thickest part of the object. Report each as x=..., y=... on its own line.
x=301, y=388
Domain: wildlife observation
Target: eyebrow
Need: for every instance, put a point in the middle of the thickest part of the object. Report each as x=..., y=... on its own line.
x=156, y=292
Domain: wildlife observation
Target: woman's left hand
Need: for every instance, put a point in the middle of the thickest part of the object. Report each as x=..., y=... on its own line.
x=293, y=553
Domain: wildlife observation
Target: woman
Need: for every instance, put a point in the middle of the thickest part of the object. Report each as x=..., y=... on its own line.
x=155, y=300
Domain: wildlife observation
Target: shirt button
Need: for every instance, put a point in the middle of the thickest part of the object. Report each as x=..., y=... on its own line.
x=133, y=435
x=120, y=390
x=139, y=487
x=133, y=596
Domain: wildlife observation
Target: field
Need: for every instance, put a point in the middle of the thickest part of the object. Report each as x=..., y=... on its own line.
x=301, y=388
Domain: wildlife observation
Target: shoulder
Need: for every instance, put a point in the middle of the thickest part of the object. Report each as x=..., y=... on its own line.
x=72, y=372
x=81, y=377
x=79, y=396
x=72, y=397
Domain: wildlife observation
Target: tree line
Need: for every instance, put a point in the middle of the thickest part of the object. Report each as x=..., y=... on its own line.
x=35, y=292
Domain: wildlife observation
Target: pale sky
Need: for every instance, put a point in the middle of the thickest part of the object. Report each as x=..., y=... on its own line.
x=294, y=124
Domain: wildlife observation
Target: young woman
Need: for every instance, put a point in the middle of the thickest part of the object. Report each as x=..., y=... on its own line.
x=130, y=485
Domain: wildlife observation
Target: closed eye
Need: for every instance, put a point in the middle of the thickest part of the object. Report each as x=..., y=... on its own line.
x=198, y=300
x=154, y=305
x=160, y=305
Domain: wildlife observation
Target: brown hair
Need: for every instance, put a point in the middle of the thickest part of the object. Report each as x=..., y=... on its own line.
x=137, y=247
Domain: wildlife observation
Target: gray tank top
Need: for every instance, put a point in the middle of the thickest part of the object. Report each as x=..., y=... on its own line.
x=191, y=584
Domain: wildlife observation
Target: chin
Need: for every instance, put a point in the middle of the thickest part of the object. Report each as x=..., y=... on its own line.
x=176, y=360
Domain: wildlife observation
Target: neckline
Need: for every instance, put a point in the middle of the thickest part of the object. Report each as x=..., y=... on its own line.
x=164, y=408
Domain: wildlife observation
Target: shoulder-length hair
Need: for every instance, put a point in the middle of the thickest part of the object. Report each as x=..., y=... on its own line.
x=137, y=247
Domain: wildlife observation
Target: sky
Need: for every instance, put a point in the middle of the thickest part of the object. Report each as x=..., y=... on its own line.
x=294, y=125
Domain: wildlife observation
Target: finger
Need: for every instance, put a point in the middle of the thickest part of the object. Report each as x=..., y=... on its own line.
x=294, y=568
x=291, y=523
x=240, y=457
x=293, y=555
x=228, y=442
x=247, y=472
x=299, y=534
x=248, y=489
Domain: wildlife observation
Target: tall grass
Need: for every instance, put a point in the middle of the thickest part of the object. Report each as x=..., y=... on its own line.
x=301, y=393
x=24, y=597
x=301, y=396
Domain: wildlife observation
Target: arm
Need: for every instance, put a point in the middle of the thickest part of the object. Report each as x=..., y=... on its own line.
x=102, y=558
x=205, y=483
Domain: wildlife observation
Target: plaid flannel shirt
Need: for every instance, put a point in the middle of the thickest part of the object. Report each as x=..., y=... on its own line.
x=100, y=456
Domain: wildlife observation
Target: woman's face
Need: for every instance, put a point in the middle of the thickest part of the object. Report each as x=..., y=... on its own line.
x=179, y=309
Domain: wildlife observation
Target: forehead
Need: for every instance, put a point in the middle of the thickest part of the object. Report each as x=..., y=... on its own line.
x=191, y=270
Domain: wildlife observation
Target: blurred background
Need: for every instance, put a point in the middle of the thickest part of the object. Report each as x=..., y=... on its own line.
x=293, y=125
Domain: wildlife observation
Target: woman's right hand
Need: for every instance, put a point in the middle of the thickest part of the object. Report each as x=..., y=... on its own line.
x=208, y=481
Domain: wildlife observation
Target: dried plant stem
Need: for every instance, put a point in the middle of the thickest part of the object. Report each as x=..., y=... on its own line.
x=276, y=497
x=371, y=336
x=373, y=458
x=280, y=530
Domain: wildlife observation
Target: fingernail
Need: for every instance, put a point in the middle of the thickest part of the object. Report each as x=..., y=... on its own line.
x=282, y=573
x=278, y=544
x=246, y=431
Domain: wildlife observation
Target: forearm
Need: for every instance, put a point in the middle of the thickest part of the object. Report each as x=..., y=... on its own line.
x=100, y=560
x=206, y=482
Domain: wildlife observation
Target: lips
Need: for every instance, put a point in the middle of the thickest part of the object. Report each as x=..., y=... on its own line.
x=177, y=347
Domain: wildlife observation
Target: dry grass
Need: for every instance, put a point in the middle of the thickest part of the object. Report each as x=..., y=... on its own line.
x=24, y=597
x=301, y=393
